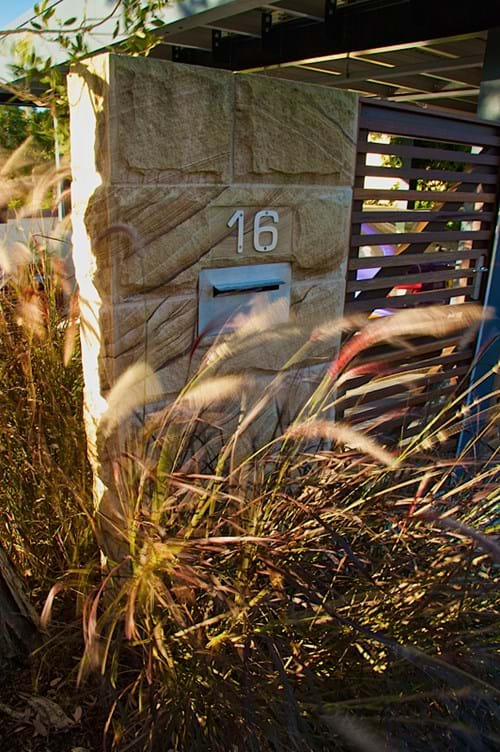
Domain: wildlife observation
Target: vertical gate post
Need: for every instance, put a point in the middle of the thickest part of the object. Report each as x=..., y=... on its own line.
x=488, y=341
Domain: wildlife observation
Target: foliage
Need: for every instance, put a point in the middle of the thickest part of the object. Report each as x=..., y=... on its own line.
x=44, y=476
x=36, y=79
x=309, y=594
x=298, y=596
x=316, y=592
x=18, y=124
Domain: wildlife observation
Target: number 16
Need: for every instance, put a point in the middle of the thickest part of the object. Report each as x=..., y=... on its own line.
x=259, y=229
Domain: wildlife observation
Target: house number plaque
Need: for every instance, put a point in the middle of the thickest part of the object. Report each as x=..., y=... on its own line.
x=265, y=229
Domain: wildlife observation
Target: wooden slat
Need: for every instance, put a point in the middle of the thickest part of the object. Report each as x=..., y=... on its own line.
x=386, y=405
x=418, y=124
x=388, y=354
x=412, y=173
x=409, y=279
x=408, y=431
x=428, y=357
x=462, y=356
x=421, y=215
x=405, y=301
x=415, y=259
x=429, y=152
x=375, y=194
x=397, y=238
x=401, y=388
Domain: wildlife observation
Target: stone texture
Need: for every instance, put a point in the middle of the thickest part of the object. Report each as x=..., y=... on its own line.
x=158, y=240
x=170, y=123
x=288, y=132
x=162, y=156
x=162, y=332
x=88, y=95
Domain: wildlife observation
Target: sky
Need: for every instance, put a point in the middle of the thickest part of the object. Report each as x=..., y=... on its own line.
x=12, y=9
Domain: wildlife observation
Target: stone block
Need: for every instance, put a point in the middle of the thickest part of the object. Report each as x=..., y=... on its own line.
x=88, y=95
x=287, y=132
x=152, y=240
x=169, y=123
x=163, y=332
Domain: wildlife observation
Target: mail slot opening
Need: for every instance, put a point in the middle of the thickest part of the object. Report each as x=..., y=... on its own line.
x=225, y=294
x=233, y=288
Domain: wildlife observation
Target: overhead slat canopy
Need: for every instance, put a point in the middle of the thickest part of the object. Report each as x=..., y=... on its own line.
x=402, y=50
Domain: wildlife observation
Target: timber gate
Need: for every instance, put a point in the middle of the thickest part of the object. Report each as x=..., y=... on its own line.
x=424, y=212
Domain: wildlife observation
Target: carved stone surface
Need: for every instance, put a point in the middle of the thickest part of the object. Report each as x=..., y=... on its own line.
x=161, y=330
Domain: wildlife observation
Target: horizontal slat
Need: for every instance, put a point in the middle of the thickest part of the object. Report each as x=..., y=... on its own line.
x=386, y=405
x=439, y=236
x=405, y=301
x=409, y=279
x=407, y=431
x=462, y=356
x=421, y=215
x=387, y=354
x=418, y=124
x=428, y=152
x=408, y=173
x=415, y=259
x=401, y=388
x=373, y=194
x=424, y=362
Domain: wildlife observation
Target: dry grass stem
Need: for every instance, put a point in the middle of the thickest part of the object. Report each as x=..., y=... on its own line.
x=212, y=391
x=341, y=433
x=136, y=387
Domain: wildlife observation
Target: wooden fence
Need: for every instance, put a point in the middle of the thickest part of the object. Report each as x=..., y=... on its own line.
x=424, y=211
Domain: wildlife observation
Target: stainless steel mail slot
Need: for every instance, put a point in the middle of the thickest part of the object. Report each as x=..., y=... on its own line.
x=259, y=285
x=227, y=292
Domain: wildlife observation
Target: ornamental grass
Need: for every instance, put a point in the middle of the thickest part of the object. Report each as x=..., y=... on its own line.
x=320, y=589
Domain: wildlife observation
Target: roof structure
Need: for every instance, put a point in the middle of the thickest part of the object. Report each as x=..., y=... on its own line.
x=425, y=51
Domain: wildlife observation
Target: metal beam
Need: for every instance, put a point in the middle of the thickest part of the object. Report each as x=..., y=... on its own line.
x=314, y=9
x=247, y=24
x=364, y=26
x=428, y=95
x=375, y=73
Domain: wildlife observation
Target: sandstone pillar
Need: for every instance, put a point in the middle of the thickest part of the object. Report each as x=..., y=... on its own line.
x=164, y=154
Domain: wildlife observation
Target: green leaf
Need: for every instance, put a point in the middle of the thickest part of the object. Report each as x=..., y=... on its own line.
x=70, y=21
x=48, y=15
x=36, y=25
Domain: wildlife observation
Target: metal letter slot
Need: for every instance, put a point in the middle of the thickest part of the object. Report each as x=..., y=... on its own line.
x=229, y=292
x=232, y=288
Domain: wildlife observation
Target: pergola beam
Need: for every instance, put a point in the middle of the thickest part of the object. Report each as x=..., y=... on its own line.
x=314, y=9
x=357, y=27
x=246, y=24
x=375, y=73
x=428, y=95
